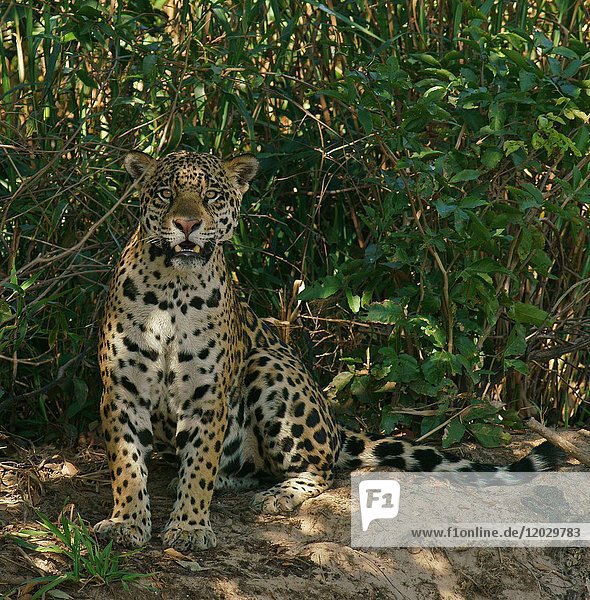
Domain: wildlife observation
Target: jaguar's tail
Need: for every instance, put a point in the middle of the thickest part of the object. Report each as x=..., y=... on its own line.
x=373, y=450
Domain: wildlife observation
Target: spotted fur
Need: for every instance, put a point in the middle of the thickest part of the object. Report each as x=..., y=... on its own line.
x=187, y=367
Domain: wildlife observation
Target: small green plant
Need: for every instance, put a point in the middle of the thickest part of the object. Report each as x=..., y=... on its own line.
x=89, y=562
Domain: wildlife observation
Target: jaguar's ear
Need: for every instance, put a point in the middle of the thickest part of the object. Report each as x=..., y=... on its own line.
x=241, y=170
x=137, y=164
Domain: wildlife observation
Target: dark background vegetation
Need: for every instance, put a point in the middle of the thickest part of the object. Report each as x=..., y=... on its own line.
x=424, y=170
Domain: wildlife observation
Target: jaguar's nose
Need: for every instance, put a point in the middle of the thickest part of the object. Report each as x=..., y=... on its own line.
x=187, y=226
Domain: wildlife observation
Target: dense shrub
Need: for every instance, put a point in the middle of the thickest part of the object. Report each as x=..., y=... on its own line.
x=424, y=172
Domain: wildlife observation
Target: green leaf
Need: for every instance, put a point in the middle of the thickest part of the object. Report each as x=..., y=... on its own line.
x=80, y=395
x=511, y=418
x=516, y=344
x=491, y=157
x=517, y=58
x=54, y=581
x=517, y=365
x=5, y=312
x=541, y=262
x=487, y=265
x=149, y=64
x=403, y=367
x=527, y=79
x=339, y=383
x=466, y=346
x=379, y=371
x=542, y=41
x=563, y=51
x=364, y=117
x=511, y=146
x=323, y=288
x=430, y=327
x=427, y=58
x=481, y=410
x=85, y=78
x=80, y=389
x=91, y=9
x=488, y=435
x=385, y=312
x=360, y=387
x=429, y=423
x=366, y=297
x=389, y=420
x=534, y=193
x=444, y=210
x=497, y=115
x=453, y=433
x=354, y=301
x=425, y=388
x=527, y=314
x=59, y=594
x=473, y=202
x=465, y=175
x=435, y=369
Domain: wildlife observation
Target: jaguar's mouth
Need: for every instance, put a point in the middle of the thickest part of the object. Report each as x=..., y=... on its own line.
x=189, y=253
x=187, y=248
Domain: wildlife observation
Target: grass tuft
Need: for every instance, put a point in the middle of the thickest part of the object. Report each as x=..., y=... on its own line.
x=88, y=563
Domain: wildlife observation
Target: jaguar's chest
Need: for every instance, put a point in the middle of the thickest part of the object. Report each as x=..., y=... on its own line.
x=175, y=336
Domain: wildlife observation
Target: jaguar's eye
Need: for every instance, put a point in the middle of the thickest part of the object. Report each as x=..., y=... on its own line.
x=211, y=194
x=165, y=193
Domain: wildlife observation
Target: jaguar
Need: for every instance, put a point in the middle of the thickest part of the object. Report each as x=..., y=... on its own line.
x=188, y=368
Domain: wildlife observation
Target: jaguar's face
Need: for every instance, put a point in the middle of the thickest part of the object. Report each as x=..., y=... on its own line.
x=190, y=202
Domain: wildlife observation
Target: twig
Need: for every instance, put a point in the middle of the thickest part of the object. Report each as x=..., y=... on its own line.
x=559, y=441
x=55, y=257
x=61, y=376
x=546, y=354
x=429, y=433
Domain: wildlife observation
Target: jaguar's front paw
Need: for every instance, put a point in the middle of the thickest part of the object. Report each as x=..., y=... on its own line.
x=130, y=534
x=184, y=538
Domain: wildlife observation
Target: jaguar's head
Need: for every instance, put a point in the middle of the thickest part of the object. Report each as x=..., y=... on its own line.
x=190, y=202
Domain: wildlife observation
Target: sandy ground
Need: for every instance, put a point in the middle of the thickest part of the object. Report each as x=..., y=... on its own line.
x=306, y=555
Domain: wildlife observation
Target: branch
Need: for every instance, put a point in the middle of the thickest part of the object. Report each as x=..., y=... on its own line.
x=559, y=441
x=546, y=354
